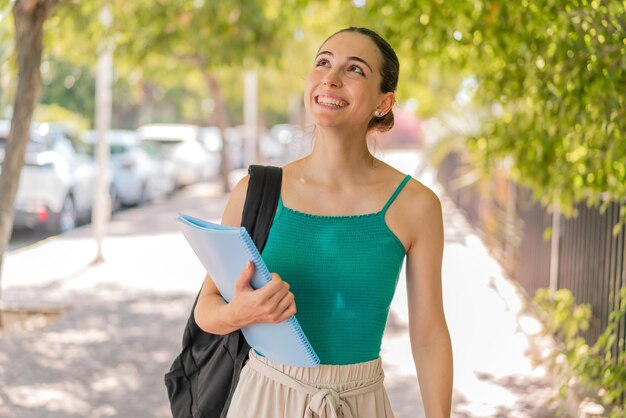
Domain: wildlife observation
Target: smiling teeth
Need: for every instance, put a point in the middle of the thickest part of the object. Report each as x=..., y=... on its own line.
x=331, y=101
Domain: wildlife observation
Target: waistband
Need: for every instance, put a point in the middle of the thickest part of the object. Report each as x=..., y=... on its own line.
x=327, y=398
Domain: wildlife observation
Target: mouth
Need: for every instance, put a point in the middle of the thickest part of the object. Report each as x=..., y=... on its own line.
x=330, y=101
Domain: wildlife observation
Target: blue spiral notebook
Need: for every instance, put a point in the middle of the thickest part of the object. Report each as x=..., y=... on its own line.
x=224, y=251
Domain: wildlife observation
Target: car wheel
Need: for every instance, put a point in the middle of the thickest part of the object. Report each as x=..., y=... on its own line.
x=67, y=217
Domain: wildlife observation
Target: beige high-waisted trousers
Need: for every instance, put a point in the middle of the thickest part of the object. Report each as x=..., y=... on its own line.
x=271, y=390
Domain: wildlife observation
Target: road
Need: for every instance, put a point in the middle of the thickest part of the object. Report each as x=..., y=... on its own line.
x=21, y=238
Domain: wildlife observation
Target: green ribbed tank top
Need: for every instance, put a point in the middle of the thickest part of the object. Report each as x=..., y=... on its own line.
x=343, y=272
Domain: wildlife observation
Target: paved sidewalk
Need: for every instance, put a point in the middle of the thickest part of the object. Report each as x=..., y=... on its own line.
x=107, y=355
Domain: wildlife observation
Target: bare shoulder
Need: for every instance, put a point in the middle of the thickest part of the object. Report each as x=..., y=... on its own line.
x=416, y=198
x=423, y=214
x=234, y=206
x=421, y=200
x=416, y=215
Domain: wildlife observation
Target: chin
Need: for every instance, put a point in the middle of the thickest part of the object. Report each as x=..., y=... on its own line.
x=327, y=119
x=326, y=122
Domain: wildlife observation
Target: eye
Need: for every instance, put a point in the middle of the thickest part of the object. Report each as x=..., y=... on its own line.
x=355, y=68
x=322, y=62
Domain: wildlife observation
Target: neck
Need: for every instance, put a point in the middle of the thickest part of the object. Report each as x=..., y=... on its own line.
x=338, y=159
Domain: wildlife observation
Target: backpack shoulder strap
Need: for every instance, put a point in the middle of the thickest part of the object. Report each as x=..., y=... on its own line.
x=261, y=202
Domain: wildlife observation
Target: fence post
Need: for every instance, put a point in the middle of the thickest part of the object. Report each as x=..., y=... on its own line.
x=509, y=226
x=554, y=247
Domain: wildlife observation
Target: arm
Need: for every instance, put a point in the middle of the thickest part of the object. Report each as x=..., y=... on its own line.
x=430, y=339
x=273, y=303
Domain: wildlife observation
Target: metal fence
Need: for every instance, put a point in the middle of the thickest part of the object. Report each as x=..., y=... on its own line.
x=584, y=255
x=591, y=262
x=532, y=261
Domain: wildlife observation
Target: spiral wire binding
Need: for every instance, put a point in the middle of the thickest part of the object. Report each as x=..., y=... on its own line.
x=264, y=272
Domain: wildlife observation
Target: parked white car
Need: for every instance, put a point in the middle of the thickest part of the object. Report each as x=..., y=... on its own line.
x=57, y=182
x=139, y=175
x=181, y=144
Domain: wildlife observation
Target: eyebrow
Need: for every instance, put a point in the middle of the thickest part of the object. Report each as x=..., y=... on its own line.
x=352, y=58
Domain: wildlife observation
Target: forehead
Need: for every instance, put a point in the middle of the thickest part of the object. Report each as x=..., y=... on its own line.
x=351, y=44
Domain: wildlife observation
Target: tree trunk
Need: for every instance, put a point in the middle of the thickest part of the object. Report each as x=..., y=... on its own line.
x=146, y=103
x=29, y=16
x=222, y=122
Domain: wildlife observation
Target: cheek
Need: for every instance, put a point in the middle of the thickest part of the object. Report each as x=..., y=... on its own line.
x=308, y=89
x=312, y=82
x=308, y=86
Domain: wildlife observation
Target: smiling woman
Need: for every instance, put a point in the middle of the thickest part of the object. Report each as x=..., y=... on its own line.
x=344, y=224
x=342, y=67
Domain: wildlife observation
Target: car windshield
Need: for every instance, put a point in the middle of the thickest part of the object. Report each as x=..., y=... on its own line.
x=117, y=149
x=155, y=148
x=164, y=142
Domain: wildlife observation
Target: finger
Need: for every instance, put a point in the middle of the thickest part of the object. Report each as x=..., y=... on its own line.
x=243, y=281
x=282, y=310
x=288, y=312
x=273, y=286
x=282, y=313
x=275, y=299
x=285, y=303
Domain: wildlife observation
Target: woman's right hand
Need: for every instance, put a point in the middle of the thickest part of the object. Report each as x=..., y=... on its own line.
x=272, y=303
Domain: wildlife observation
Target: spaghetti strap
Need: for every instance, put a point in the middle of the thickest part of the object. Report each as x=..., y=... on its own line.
x=395, y=194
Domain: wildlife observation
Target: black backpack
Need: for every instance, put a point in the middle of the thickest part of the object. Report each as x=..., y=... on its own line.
x=203, y=378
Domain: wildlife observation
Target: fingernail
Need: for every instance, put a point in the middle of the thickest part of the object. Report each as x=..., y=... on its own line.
x=250, y=264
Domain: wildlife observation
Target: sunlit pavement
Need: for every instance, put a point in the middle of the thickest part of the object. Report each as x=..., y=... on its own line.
x=107, y=356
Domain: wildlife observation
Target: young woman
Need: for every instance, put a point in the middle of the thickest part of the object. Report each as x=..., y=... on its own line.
x=344, y=223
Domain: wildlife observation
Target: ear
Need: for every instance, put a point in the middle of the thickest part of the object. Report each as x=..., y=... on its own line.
x=386, y=103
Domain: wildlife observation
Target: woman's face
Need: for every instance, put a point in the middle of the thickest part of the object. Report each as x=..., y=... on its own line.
x=343, y=88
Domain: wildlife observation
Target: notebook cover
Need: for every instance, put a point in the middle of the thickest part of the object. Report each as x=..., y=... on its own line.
x=224, y=251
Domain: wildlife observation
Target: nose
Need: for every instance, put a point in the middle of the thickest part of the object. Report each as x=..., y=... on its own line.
x=332, y=79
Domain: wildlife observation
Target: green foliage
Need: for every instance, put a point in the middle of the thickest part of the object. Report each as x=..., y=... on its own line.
x=206, y=34
x=551, y=79
x=55, y=113
x=159, y=46
x=73, y=32
x=6, y=26
x=601, y=367
x=70, y=86
x=163, y=48
x=6, y=50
